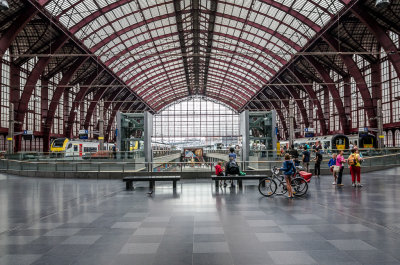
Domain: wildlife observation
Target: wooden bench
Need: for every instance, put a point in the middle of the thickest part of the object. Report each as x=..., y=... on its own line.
x=238, y=178
x=151, y=179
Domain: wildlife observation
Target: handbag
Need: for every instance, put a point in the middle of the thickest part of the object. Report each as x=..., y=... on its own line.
x=336, y=169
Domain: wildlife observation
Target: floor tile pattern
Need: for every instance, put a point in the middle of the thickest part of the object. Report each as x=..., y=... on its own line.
x=65, y=221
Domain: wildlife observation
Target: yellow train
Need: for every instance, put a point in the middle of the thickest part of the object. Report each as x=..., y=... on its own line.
x=69, y=148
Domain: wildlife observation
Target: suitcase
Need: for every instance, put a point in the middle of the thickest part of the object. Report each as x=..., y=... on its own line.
x=305, y=175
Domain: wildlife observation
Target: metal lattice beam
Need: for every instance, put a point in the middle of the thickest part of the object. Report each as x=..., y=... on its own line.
x=179, y=24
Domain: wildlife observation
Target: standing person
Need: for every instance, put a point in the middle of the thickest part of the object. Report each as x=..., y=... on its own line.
x=306, y=158
x=232, y=153
x=332, y=164
x=355, y=168
x=288, y=169
x=295, y=155
x=114, y=151
x=318, y=160
x=339, y=162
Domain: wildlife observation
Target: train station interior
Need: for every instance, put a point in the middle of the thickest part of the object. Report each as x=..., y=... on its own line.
x=199, y=132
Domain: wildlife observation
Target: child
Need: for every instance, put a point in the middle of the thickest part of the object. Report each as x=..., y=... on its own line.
x=332, y=164
x=219, y=171
x=288, y=169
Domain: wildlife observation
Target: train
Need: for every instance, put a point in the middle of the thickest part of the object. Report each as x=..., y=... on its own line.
x=336, y=142
x=65, y=147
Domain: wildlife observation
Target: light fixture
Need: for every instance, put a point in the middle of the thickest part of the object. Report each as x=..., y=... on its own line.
x=4, y=5
x=382, y=3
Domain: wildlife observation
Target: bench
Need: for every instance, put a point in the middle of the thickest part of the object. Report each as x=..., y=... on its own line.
x=238, y=178
x=151, y=179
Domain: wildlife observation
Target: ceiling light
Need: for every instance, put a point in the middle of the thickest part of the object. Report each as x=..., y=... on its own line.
x=4, y=5
x=382, y=3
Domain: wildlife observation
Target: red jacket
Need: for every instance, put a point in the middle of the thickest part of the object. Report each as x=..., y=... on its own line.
x=218, y=170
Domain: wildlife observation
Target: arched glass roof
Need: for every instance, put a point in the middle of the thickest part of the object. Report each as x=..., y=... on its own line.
x=167, y=50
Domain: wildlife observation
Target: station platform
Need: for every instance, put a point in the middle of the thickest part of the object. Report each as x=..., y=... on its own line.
x=77, y=221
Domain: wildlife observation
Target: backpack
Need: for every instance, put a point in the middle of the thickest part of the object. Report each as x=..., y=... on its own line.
x=352, y=161
x=233, y=168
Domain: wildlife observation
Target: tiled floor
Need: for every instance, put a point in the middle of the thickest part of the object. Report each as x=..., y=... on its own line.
x=46, y=221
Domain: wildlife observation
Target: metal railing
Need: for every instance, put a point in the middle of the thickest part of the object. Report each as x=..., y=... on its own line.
x=120, y=165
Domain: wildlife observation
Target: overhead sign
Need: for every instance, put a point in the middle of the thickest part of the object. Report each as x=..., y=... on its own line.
x=27, y=135
x=309, y=130
x=364, y=129
x=381, y=136
x=83, y=134
x=28, y=132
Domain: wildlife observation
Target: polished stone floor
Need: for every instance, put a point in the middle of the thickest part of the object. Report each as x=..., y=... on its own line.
x=47, y=221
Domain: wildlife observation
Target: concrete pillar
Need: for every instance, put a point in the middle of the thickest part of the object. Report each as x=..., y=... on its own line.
x=148, y=133
x=101, y=126
x=244, y=132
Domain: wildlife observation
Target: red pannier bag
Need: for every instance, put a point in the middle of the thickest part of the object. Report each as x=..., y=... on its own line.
x=305, y=175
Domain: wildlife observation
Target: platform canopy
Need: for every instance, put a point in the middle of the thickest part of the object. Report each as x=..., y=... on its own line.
x=169, y=50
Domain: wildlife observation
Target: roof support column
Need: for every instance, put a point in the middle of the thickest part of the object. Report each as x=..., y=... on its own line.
x=347, y=99
x=14, y=98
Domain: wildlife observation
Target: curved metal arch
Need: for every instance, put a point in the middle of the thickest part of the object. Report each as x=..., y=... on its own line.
x=249, y=43
x=230, y=73
x=114, y=35
x=333, y=91
x=310, y=91
x=79, y=96
x=355, y=72
x=252, y=91
x=292, y=91
x=293, y=13
x=257, y=77
x=122, y=72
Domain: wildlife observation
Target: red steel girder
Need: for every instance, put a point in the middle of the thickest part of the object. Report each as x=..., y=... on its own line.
x=100, y=93
x=292, y=91
x=355, y=72
x=33, y=79
x=9, y=35
x=61, y=87
x=78, y=98
x=380, y=35
x=310, y=91
x=333, y=91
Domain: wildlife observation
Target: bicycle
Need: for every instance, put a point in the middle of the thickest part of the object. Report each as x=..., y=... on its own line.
x=268, y=186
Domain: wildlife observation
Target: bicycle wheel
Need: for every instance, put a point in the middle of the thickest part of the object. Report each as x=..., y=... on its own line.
x=299, y=186
x=267, y=187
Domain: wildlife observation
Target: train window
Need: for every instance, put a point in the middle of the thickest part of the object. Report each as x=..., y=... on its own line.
x=69, y=146
x=368, y=140
x=340, y=141
x=59, y=142
x=90, y=149
x=75, y=148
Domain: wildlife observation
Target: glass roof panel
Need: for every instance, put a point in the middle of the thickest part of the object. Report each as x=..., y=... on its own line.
x=250, y=42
